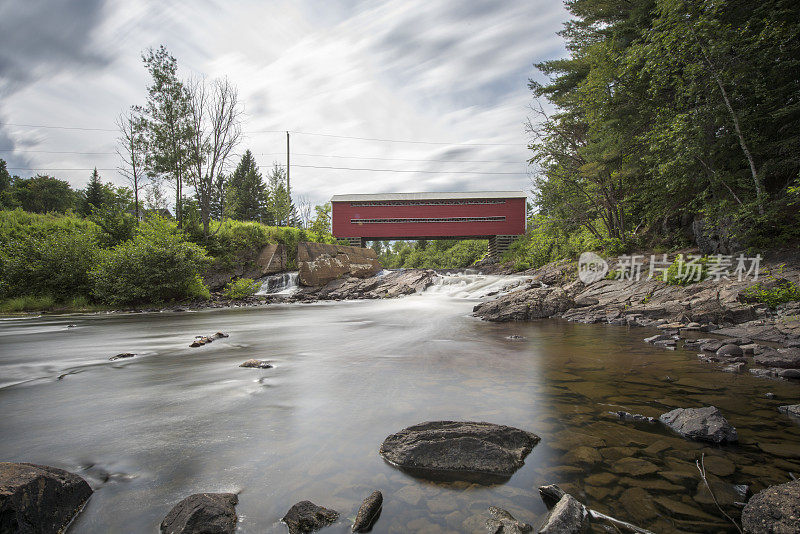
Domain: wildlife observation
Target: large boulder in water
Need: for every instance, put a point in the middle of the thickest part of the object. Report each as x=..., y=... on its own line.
x=502, y=522
x=774, y=510
x=202, y=513
x=320, y=263
x=703, y=424
x=39, y=499
x=525, y=304
x=568, y=516
x=306, y=516
x=369, y=512
x=459, y=450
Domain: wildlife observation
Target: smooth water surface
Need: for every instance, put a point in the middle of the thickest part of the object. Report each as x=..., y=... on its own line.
x=148, y=431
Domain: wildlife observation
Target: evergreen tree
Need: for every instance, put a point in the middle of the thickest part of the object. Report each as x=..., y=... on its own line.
x=280, y=210
x=93, y=195
x=5, y=182
x=247, y=191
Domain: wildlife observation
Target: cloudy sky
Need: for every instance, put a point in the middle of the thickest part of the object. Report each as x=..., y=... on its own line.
x=448, y=75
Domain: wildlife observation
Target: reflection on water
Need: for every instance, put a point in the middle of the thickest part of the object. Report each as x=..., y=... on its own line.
x=174, y=420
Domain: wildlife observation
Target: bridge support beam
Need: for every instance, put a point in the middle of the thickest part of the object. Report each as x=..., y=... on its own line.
x=357, y=242
x=498, y=244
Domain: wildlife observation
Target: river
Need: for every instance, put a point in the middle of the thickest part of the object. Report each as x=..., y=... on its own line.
x=150, y=430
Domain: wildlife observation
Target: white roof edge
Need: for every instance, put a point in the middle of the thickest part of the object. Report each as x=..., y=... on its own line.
x=428, y=196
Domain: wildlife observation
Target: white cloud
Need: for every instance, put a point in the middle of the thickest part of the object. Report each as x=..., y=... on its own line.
x=399, y=69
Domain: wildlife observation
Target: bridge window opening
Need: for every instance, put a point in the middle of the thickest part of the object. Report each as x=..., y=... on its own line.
x=427, y=220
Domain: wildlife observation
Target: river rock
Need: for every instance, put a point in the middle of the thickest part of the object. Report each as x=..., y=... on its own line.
x=38, y=499
x=525, y=304
x=775, y=510
x=369, y=511
x=502, y=522
x=320, y=263
x=568, y=516
x=703, y=424
x=712, y=346
x=788, y=358
x=202, y=513
x=791, y=409
x=730, y=351
x=258, y=364
x=306, y=516
x=459, y=450
x=121, y=356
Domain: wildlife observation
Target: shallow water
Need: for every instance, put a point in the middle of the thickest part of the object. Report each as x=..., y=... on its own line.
x=175, y=420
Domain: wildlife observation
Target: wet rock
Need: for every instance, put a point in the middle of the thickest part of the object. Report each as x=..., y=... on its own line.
x=750, y=348
x=220, y=335
x=791, y=409
x=38, y=499
x=320, y=263
x=502, y=522
x=704, y=424
x=306, y=516
x=257, y=364
x=712, y=346
x=733, y=368
x=635, y=417
x=585, y=301
x=774, y=510
x=788, y=358
x=729, y=351
x=568, y=516
x=202, y=513
x=583, y=456
x=635, y=467
x=770, y=396
x=765, y=373
x=459, y=450
x=515, y=337
x=121, y=356
x=369, y=512
x=525, y=304
x=638, y=505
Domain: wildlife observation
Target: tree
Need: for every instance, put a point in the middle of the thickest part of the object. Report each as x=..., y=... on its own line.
x=114, y=215
x=5, y=182
x=168, y=115
x=321, y=224
x=42, y=194
x=132, y=150
x=247, y=191
x=281, y=211
x=215, y=128
x=93, y=194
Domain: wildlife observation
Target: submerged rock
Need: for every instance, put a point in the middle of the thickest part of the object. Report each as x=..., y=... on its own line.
x=774, y=510
x=568, y=516
x=369, y=512
x=38, y=499
x=306, y=516
x=502, y=522
x=258, y=364
x=703, y=424
x=121, y=356
x=791, y=409
x=730, y=351
x=202, y=513
x=459, y=450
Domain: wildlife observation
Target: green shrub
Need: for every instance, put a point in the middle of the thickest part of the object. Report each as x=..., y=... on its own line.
x=156, y=265
x=683, y=272
x=241, y=289
x=772, y=290
x=27, y=303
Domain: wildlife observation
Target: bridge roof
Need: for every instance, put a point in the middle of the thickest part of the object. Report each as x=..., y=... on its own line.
x=428, y=196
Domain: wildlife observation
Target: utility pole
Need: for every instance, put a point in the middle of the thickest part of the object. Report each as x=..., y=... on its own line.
x=288, y=187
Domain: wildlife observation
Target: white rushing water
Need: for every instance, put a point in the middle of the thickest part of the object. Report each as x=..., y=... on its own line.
x=279, y=284
x=471, y=285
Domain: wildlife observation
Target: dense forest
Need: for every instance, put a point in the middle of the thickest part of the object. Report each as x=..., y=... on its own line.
x=674, y=123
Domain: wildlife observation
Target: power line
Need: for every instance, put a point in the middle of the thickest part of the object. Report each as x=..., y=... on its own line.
x=399, y=170
x=56, y=152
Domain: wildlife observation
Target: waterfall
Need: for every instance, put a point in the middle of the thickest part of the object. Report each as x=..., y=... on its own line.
x=467, y=284
x=279, y=284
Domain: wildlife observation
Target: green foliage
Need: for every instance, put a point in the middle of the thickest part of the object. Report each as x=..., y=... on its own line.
x=27, y=303
x=436, y=254
x=241, y=289
x=322, y=219
x=248, y=197
x=685, y=271
x=156, y=265
x=45, y=255
x=40, y=194
x=773, y=290
x=93, y=194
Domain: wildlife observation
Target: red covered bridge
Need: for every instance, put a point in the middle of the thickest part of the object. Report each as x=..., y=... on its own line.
x=496, y=215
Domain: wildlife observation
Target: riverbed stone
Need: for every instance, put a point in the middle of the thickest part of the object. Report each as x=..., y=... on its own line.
x=635, y=467
x=703, y=424
x=638, y=504
x=790, y=409
x=38, y=499
x=459, y=450
x=202, y=513
x=568, y=516
x=502, y=522
x=257, y=364
x=306, y=516
x=121, y=356
x=368, y=512
x=775, y=510
x=788, y=358
x=583, y=456
x=730, y=351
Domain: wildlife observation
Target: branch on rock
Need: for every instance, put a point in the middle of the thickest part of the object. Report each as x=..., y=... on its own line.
x=551, y=494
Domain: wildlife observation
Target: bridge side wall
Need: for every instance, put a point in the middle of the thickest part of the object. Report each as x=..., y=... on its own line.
x=355, y=219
